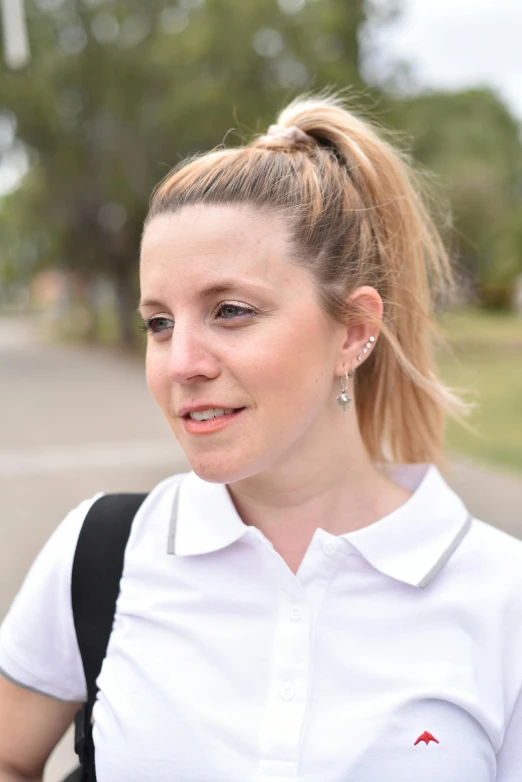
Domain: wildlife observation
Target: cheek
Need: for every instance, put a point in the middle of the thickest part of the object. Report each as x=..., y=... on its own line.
x=294, y=372
x=156, y=377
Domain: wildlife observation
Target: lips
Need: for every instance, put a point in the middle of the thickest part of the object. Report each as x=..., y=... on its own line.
x=184, y=411
x=212, y=425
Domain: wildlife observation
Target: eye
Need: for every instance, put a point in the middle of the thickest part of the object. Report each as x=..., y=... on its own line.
x=156, y=325
x=229, y=311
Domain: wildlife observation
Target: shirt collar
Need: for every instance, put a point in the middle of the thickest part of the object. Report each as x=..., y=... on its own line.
x=411, y=544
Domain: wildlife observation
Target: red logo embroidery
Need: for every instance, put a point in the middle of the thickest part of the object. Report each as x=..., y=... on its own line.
x=427, y=737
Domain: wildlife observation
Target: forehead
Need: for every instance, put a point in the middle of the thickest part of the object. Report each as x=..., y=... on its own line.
x=216, y=240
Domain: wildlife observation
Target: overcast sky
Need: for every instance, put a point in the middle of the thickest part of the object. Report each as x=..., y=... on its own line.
x=449, y=43
x=459, y=43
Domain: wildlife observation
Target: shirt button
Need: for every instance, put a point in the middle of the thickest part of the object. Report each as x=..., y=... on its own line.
x=295, y=614
x=330, y=547
x=287, y=692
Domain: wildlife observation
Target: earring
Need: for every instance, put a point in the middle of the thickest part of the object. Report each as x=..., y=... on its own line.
x=344, y=400
x=367, y=347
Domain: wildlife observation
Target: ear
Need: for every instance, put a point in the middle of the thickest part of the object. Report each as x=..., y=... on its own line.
x=356, y=339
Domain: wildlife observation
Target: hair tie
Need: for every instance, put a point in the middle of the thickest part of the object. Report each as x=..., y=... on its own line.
x=293, y=134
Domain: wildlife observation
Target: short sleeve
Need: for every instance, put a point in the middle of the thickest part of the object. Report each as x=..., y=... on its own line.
x=509, y=757
x=38, y=646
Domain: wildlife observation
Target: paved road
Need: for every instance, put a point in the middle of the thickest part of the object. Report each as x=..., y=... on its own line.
x=74, y=421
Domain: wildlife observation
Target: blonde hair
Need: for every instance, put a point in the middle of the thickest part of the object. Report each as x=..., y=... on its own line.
x=356, y=218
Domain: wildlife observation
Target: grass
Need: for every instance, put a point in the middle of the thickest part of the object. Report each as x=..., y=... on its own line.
x=474, y=327
x=487, y=362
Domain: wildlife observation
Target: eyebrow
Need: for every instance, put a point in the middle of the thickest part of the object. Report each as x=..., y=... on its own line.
x=217, y=289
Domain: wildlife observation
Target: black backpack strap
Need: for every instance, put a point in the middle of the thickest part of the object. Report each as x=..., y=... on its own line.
x=96, y=575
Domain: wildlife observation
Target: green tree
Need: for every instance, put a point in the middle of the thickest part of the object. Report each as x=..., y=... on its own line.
x=472, y=142
x=118, y=91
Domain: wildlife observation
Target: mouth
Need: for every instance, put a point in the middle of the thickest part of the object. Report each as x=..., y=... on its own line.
x=193, y=424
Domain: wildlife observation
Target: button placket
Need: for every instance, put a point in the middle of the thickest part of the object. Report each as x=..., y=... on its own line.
x=330, y=547
x=287, y=691
x=285, y=706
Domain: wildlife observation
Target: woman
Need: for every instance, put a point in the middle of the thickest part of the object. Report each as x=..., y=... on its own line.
x=312, y=601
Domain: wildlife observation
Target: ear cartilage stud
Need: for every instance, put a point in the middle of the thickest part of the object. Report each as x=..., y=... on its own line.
x=372, y=339
x=359, y=358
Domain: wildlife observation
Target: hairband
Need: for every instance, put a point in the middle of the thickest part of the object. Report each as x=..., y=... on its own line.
x=293, y=134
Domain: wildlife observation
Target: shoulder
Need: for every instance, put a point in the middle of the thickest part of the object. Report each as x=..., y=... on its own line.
x=38, y=647
x=491, y=559
x=150, y=527
x=494, y=546
x=156, y=501
x=164, y=491
x=37, y=638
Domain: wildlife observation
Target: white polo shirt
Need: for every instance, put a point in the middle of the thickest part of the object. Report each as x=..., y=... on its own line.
x=393, y=655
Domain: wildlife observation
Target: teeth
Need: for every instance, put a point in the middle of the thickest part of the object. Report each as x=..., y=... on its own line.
x=206, y=415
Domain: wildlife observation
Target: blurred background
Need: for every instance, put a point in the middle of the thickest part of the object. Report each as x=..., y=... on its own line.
x=100, y=98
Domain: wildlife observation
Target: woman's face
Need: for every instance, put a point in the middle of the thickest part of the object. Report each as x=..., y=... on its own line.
x=234, y=325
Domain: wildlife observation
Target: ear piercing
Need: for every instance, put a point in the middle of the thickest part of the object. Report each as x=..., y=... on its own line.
x=344, y=400
x=367, y=347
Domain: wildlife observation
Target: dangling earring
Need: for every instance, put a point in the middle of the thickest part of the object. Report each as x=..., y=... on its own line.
x=344, y=400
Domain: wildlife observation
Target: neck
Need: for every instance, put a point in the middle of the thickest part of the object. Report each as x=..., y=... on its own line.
x=333, y=485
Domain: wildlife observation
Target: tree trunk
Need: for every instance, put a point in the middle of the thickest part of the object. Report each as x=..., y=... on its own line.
x=93, y=329
x=126, y=302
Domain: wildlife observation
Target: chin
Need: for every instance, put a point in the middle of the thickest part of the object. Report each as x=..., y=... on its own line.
x=220, y=468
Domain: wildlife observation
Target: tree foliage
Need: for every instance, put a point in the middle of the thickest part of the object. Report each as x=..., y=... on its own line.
x=117, y=91
x=472, y=142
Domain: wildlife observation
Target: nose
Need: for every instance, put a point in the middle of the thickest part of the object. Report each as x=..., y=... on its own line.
x=189, y=356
